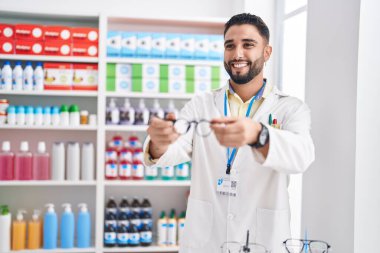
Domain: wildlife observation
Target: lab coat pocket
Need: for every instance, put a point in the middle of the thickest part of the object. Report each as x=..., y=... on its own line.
x=273, y=228
x=199, y=221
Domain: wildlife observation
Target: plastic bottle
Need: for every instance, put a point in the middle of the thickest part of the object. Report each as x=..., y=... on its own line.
x=146, y=236
x=58, y=161
x=162, y=229
x=5, y=229
x=17, y=74
x=137, y=164
x=38, y=116
x=111, y=170
x=41, y=163
x=11, y=115
x=87, y=164
x=112, y=113
x=134, y=236
x=146, y=218
x=74, y=115
x=134, y=142
x=27, y=83
x=167, y=173
x=73, y=161
x=38, y=77
x=135, y=219
x=122, y=219
x=141, y=114
x=171, y=109
x=124, y=206
x=127, y=113
x=34, y=231
x=125, y=170
x=111, y=206
x=83, y=227
x=6, y=75
x=20, y=115
x=47, y=116
x=29, y=116
x=64, y=116
x=23, y=163
x=122, y=236
x=6, y=162
x=182, y=171
x=109, y=236
x=111, y=154
x=19, y=231
x=50, y=225
x=181, y=226
x=146, y=206
x=172, y=229
x=67, y=227
x=156, y=111
x=84, y=117
x=110, y=219
x=55, y=118
x=126, y=153
x=135, y=206
x=151, y=172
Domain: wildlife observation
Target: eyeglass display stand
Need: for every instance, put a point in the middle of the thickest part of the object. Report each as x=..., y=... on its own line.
x=246, y=247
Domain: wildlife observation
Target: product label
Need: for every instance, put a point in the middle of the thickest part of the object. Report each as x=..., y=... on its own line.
x=125, y=170
x=151, y=171
x=125, y=210
x=146, y=237
x=123, y=222
x=113, y=223
x=111, y=155
x=138, y=156
x=136, y=222
x=110, y=237
x=134, y=238
x=111, y=210
x=138, y=170
x=182, y=170
x=122, y=238
x=111, y=170
x=168, y=171
x=126, y=155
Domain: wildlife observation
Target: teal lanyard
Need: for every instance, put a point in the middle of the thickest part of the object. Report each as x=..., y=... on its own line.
x=231, y=157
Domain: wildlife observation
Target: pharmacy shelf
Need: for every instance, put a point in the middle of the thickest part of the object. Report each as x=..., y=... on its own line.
x=73, y=250
x=164, y=61
x=149, y=95
x=48, y=58
x=52, y=93
x=142, y=249
x=61, y=128
x=147, y=183
x=47, y=183
x=125, y=128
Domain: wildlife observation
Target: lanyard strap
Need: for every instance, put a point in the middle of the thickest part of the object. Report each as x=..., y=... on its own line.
x=230, y=158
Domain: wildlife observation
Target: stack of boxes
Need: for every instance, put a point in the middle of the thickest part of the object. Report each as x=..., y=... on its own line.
x=164, y=78
x=31, y=39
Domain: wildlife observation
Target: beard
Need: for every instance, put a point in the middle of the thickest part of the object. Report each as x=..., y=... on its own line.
x=254, y=70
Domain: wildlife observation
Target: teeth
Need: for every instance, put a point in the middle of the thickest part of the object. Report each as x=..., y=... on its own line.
x=239, y=65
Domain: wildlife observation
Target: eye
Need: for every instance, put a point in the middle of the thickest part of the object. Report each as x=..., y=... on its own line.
x=229, y=46
x=249, y=45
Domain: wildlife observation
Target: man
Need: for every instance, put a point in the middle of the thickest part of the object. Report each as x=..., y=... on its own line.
x=240, y=171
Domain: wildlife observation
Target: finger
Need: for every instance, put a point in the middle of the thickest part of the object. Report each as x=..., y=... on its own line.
x=160, y=123
x=161, y=131
x=224, y=120
x=233, y=128
x=170, y=116
x=164, y=140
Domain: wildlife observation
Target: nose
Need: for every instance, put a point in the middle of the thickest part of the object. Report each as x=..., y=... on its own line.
x=238, y=54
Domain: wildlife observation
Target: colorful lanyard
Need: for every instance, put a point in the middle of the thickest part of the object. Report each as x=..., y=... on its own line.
x=231, y=157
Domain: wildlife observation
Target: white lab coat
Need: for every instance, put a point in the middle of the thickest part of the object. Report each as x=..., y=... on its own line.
x=262, y=204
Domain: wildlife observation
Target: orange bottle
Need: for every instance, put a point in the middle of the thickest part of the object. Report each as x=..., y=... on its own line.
x=34, y=231
x=19, y=231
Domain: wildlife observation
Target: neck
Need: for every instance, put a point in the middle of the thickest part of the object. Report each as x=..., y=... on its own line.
x=248, y=90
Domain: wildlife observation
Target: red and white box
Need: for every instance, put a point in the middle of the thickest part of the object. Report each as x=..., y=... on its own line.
x=85, y=76
x=7, y=46
x=58, y=48
x=29, y=47
x=29, y=32
x=85, y=49
x=62, y=33
x=58, y=76
x=7, y=31
x=85, y=34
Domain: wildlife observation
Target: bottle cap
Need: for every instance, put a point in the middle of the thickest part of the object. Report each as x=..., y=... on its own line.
x=38, y=110
x=84, y=113
x=64, y=108
x=18, y=63
x=74, y=108
x=112, y=103
x=20, y=215
x=30, y=110
x=11, y=109
x=20, y=109
x=41, y=147
x=67, y=207
x=24, y=146
x=83, y=207
x=4, y=210
x=156, y=104
x=39, y=64
x=55, y=110
x=141, y=104
x=7, y=63
x=36, y=214
x=6, y=146
x=127, y=104
x=28, y=63
x=47, y=110
x=50, y=208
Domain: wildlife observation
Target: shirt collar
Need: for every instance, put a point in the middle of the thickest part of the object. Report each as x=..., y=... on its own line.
x=232, y=94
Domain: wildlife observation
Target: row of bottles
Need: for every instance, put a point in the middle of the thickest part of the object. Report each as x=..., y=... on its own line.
x=127, y=115
x=128, y=225
x=38, y=233
x=170, y=228
x=39, y=166
x=20, y=78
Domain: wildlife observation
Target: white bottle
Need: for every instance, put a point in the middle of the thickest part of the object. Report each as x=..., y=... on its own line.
x=6, y=75
x=47, y=116
x=27, y=83
x=58, y=161
x=113, y=113
x=5, y=229
x=29, y=116
x=11, y=117
x=17, y=77
x=162, y=230
x=38, y=116
x=87, y=166
x=171, y=109
x=38, y=77
x=142, y=114
x=172, y=229
x=156, y=111
x=20, y=115
x=127, y=113
x=73, y=161
x=55, y=118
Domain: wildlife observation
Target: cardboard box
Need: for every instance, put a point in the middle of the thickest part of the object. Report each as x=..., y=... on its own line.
x=110, y=84
x=84, y=49
x=187, y=46
x=177, y=86
x=123, y=84
x=201, y=47
x=123, y=70
x=202, y=73
x=7, y=31
x=85, y=76
x=29, y=47
x=58, y=48
x=158, y=45
x=173, y=45
x=29, y=32
x=57, y=33
x=85, y=35
x=111, y=69
x=113, y=43
x=201, y=86
x=150, y=85
x=128, y=44
x=144, y=44
x=7, y=46
x=151, y=70
x=216, y=47
x=58, y=76
x=177, y=72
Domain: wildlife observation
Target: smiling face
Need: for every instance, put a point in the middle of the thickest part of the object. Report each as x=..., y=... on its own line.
x=245, y=52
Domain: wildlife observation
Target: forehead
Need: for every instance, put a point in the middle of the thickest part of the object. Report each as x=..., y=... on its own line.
x=245, y=31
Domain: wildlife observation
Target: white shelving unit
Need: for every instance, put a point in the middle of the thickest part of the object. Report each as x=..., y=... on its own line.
x=163, y=195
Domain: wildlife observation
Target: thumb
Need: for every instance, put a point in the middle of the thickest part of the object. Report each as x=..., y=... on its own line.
x=170, y=116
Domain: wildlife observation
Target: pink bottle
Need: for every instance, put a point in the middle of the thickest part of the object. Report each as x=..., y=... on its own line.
x=41, y=163
x=6, y=162
x=23, y=163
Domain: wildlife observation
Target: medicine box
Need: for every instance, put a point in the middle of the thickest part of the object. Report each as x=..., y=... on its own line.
x=113, y=43
x=29, y=47
x=177, y=71
x=150, y=85
x=144, y=44
x=123, y=84
x=202, y=72
x=173, y=45
x=201, y=47
x=123, y=70
x=84, y=49
x=158, y=45
x=58, y=76
x=201, y=86
x=29, y=32
x=57, y=33
x=150, y=70
x=177, y=86
x=216, y=47
x=128, y=44
x=187, y=46
x=85, y=77
x=58, y=48
x=7, y=46
x=85, y=35
x=7, y=31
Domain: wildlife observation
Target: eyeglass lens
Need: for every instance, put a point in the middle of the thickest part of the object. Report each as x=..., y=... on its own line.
x=297, y=246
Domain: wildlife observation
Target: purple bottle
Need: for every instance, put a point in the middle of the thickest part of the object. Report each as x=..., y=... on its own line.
x=23, y=163
x=6, y=162
x=41, y=163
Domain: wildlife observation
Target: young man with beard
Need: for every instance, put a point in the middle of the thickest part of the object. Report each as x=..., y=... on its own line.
x=241, y=170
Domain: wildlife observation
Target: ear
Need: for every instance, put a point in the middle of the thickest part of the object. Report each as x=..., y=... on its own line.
x=267, y=52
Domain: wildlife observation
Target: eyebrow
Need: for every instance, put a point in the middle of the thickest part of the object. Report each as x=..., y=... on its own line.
x=244, y=40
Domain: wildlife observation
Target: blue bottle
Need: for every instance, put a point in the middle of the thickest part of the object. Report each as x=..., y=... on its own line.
x=67, y=227
x=50, y=228
x=134, y=236
x=109, y=236
x=122, y=236
x=84, y=227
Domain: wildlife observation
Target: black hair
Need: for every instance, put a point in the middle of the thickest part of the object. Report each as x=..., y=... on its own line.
x=247, y=18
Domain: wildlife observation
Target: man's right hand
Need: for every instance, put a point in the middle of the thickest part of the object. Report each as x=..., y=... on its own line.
x=162, y=134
